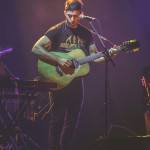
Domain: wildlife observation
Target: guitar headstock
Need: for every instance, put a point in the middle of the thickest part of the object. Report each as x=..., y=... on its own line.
x=129, y=46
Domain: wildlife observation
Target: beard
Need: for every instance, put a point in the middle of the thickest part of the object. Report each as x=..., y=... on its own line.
x=72, y=24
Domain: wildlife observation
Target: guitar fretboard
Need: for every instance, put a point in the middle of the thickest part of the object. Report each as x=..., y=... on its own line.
x=90, y=58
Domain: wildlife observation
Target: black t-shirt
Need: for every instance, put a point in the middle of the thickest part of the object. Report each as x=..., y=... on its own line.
x=65, y=39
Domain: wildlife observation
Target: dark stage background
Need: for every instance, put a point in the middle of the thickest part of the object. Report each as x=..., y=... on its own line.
x=23, y=22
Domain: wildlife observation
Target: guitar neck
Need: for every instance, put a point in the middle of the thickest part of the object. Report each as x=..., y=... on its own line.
x=90, y=58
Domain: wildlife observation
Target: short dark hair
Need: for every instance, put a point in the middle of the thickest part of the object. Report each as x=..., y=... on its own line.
x=73, y=5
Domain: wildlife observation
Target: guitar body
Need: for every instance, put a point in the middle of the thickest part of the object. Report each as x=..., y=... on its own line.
x=50, y=73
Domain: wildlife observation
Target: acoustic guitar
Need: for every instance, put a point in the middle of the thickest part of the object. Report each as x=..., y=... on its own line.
x=80, y=64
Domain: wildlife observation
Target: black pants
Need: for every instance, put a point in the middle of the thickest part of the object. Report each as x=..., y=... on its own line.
x=64, y=115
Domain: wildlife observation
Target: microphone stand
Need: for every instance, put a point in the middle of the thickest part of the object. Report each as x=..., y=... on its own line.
x=107, y=58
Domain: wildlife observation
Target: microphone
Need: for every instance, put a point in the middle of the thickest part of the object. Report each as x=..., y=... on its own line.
x=8, y=50
x=82, y=16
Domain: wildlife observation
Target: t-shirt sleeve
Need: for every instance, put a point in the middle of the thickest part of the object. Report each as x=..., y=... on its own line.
x=52, y=33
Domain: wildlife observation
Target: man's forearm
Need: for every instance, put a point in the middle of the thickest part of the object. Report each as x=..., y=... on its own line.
x=45, y=55
x=40, y=50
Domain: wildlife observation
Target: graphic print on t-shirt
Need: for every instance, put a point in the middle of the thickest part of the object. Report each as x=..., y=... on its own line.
x=72, y=42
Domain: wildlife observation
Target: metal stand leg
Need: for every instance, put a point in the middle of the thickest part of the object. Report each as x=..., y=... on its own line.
x=8, y=136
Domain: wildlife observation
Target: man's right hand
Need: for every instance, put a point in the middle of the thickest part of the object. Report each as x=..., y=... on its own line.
x=65, y=65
